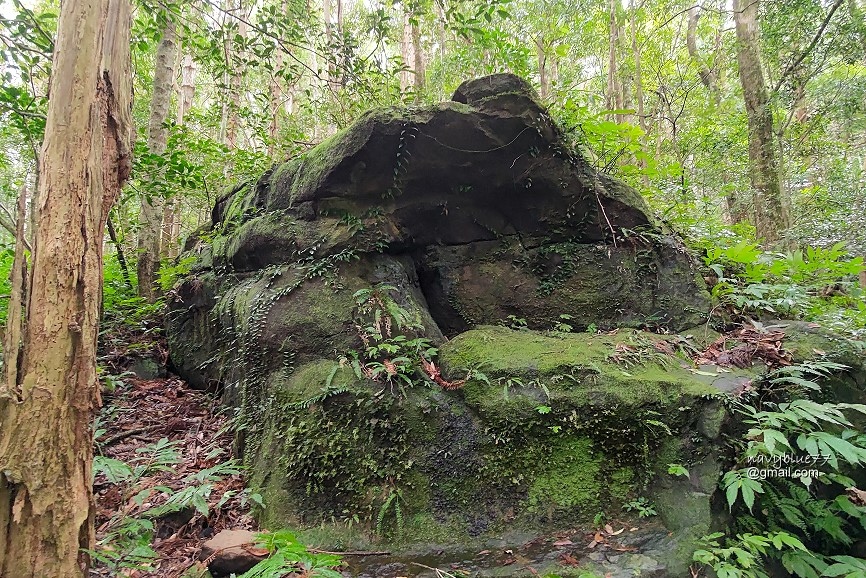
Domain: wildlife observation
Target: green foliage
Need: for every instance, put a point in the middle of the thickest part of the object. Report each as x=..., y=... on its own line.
x=391, y=505
x=744, y=557
x=641, y=506
x=810, y=283
x=289, y=557
x=126, y=539
x=6, y=257
x=388, y=357
x=170, y=273
x=788, y=488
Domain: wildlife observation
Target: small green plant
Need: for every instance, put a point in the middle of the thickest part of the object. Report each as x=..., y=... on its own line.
x=813, y=282
x=388, y=357
x=744, y=556
x=678, y=470
x=642, y=506
x=790, y=490
x=170, y=272
x=289, y=557
x=391, y=505
x=562, y=325
x=515, y=322
x=125, y=541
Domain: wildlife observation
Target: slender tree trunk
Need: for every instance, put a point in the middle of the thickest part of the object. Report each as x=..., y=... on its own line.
x=276, y=96
x=418, y=53
x=407, y=74
x=153, y=207
x=121, y=257
x=17, y=293
x=171, y=219
x=543, y=78
x=638, y=88
x=46, y=442
x=706, y=74
x=187, y=88
x=768, y=213
x=614, y=91
x=235, y=79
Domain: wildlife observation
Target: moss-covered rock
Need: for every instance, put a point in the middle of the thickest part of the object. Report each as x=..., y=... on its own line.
x=465, y=213
x=549, y=434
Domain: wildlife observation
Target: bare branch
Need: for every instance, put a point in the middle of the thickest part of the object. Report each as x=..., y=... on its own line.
x=793, y=66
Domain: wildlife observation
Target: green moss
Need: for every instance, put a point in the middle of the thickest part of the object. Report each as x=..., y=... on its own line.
x=334, y=453
x=425, y=528
x=573, y=367
x=621, y=483
x=568, y=481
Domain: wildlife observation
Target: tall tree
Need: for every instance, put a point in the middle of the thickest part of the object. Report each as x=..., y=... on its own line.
x=614, y=88
x=172, y=218
x=767, y=211
x=46, y=442
x=153, y=205
x=707, y=75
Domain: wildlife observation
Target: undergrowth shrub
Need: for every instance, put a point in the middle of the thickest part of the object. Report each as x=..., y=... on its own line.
x=814, y=283
x=793, y=490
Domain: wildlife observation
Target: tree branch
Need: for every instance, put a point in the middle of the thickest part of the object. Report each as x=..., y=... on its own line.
x=793, y=66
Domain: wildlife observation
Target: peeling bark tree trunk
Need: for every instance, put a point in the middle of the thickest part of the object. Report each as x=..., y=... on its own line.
x=46, y=445
x=152, y=209
x=767, y=213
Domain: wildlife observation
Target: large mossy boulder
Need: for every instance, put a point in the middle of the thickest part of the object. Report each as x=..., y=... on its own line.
x=552, y=433
x=470, y=212
x=476, y=207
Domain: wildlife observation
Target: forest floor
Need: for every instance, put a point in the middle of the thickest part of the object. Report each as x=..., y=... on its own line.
x=177, y=445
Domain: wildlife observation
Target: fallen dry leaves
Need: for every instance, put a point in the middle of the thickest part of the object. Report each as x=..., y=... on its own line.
x=738, y=348
x=141, y=413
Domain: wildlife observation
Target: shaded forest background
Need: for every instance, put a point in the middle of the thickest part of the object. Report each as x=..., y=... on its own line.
x=740, y=121
x=651, y=91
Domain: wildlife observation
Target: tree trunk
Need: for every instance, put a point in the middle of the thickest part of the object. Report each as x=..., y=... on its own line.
x=417, y=52
x=171, y=219
x=121, y=257
x=187, y=88
x=235, y=79
x=614, y=92
x=706, y=74
x=152, y=208
x=46, y=443
x=638, y=88
x=276, y=95
x=767, y=213
x=406, y=75
x=543, y=78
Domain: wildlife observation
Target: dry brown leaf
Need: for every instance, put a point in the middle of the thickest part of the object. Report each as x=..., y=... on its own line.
x=856, y=495
x=565, y=542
